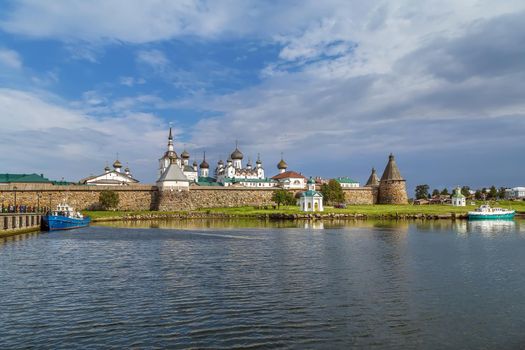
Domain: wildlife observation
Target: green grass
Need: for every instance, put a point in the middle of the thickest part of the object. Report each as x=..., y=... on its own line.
x=369, y=210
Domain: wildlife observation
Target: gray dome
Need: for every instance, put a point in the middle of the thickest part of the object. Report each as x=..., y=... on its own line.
x=185, y=155
x=236, y=154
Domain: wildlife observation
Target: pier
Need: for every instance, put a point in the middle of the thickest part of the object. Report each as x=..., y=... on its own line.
x=14, y=223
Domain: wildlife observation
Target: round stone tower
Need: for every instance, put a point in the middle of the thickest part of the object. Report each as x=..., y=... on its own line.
x=392, y=186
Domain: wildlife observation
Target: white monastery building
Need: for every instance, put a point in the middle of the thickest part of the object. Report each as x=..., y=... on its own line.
x=115, y=177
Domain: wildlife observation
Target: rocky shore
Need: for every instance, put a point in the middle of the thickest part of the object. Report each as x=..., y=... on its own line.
x=281, y=216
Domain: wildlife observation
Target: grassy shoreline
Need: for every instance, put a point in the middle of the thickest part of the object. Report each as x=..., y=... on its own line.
x=290, y=212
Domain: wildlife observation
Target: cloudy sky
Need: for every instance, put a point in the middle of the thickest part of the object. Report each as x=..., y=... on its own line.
x=335, y=85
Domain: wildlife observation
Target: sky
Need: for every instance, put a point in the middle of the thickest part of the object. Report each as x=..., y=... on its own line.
x=333, y=85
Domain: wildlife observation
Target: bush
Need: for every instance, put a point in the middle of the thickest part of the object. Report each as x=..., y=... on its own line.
x=108, y=200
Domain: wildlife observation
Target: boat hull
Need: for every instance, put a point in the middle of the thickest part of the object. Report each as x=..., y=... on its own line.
x=491, y=216
x=58, y=222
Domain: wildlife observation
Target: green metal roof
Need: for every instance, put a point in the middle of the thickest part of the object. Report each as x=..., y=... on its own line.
x=345, y=180
x=23, y=178
x=311, y=193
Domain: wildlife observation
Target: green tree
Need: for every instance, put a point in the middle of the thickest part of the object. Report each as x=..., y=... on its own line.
x=108, y=200
x=479, y=195
x=435, y=192
x=444, y=192
x=283, y=197
x=465, y=190
x=493, y=193
x=501, y=193
x=422, y=191
x=333, y=192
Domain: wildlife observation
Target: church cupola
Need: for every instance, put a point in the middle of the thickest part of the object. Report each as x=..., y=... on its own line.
x=117, y=165
x=205, y=167
x=185, y=157
x=311, y=184
x=107, y=169
x=237, y=156
x=170, y=142
x=282, y=166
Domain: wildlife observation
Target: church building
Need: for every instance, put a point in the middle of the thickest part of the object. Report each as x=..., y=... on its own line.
x=115, y=177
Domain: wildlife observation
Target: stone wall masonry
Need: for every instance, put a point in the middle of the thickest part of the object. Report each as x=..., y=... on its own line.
x=137, y=197
x=393, y=192
x=147, y=197
x=361, y=195
x=197, y=198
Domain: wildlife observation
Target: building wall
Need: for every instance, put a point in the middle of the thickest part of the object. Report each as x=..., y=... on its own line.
x=147, y=197
x=133, y=197
x=360, y=195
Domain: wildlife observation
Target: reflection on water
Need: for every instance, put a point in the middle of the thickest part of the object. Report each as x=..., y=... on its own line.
x=211, y=284
x=199, y=224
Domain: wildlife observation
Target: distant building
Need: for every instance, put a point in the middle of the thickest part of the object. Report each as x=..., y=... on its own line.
x=515, y=193
x=234, y=174
x=311, y=200
x=458, y=199
x=288, y=179
x=23, y=178
x=347, y=182
x=175, y=173
x=115, y=177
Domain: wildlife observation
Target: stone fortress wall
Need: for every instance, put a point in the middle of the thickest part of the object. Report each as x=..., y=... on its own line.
x=147, y=197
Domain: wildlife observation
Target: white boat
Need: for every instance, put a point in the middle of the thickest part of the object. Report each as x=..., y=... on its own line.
x=485, y=212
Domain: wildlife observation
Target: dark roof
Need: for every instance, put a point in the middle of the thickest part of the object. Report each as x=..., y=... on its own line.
x=288, y=174
x=391, y=171
x=173, y=173
x=236, y=154
x=373, y=180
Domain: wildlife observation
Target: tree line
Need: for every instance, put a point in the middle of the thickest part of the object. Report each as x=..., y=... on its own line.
x=491, y=193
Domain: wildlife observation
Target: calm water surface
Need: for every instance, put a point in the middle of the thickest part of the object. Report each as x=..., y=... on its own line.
x=206, y=284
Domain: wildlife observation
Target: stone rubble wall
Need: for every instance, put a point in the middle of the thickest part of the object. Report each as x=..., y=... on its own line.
x=361, y=195
x=392, y=192
x=137, y=197
x=147, y=197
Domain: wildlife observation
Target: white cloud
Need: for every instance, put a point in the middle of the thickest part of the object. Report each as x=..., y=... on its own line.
x=64, y=142
x=155, y=58
x=10, y=58
x=131, y=81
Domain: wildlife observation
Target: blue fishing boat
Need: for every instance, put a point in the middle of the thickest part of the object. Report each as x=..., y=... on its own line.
x=485, y=212
x=64, y=218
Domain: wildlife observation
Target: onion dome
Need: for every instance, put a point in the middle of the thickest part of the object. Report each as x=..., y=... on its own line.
x=204, y=165
x=236, y=154
x=311, y=181
x=282, y=165
x=126, y=170
x=229, y=160
x=221, y=162
x=106, y=169
x=117, y=164
x=194, y=163
x=185, y=155
x=249, y=163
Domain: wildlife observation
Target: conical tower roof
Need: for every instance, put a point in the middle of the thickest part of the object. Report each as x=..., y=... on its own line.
x=391, y=171
x=373, y=180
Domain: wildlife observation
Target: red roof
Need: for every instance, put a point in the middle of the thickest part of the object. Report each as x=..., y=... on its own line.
x=289, y=174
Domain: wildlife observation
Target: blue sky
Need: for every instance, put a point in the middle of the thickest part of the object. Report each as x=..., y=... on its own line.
x=335, y=85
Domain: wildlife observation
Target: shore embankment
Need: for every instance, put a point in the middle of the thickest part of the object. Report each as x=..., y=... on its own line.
x=357, y=212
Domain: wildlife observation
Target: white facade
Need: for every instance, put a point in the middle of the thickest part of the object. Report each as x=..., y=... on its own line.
x=290, y=180
x=515, y=193
x=175, y=173
x=110, y=177
x=458, y=199
x=311, y=200
x=234, y=173
x=346, y=182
